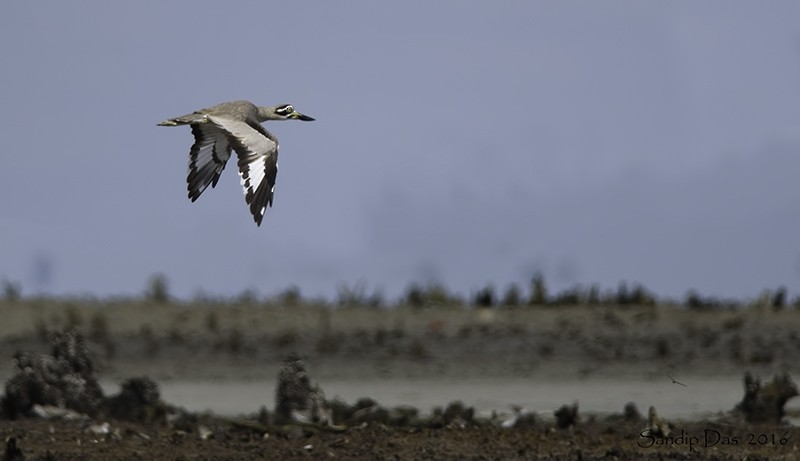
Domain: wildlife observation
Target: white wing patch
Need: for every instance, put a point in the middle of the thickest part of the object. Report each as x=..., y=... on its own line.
x=258, y=162
x=207, y=158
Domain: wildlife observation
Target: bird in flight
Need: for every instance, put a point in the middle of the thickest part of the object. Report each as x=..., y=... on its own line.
x=236, y=126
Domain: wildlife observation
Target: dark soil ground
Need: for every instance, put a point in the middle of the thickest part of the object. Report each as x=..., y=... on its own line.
x=205, y=342
x=69, y=440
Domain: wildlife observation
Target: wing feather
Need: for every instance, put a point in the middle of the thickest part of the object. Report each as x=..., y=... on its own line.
x=258, y=162
x=207, y=158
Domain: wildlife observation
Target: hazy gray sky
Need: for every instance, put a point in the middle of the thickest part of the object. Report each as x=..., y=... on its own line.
x=468, y=142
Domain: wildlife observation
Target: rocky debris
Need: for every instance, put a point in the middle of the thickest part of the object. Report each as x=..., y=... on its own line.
x=62, y=385
x=764, y=404
x=567, y=416
x=519, y=418
x=365, y=410
x=368, y=411
x=102, y=429
x=655, y=426
x=64, y=378
x=52, y=412
x=631, y=412
x=12, y=451
x=204, y=432
x=139, y=400
x=455, y=414
x=297, y=398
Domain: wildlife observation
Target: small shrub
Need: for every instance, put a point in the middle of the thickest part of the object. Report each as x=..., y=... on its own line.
x=512, y=296
x=414, y=295
x=694, y=301
x=641, y=296
x=157, y=289
x=291, y=296
x=779, y=299
x=434, y=294
x=352, y=296
x=623, y=297
x=593, y=296
x=376, y=299
x=12, y=291
x=247, y=297
x=569, y=297
x=538, y=290
x=485, y=297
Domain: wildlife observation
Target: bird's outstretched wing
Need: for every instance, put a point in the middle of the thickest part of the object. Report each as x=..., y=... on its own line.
x=258, y=162
x=207, y=158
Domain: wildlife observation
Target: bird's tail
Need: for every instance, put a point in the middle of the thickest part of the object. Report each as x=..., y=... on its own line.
x=187, y=119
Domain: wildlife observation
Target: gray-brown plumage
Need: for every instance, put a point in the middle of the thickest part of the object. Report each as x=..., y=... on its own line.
x=235, y=125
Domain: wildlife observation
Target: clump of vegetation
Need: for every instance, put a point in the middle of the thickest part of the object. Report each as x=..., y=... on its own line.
x=12, y=291
x=639, y=296
x=512, y=296
x=65, y=378
x=779, y=299
x=567, y=416
x=695, y=300
x=538, y=290
x=356, y=295
x=436, y=294
x=569, y=297
x=247, y=297
x=157, y=289
x=765, y=404
x=291, y=296
x=139, y=400
x=433, y=294
x=484, y=297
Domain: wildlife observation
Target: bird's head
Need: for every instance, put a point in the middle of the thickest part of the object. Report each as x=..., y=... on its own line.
x=282, y=112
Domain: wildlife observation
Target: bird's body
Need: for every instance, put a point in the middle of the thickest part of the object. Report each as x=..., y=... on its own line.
x=236, y=126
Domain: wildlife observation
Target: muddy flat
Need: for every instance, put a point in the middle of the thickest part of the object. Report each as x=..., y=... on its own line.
x=68, y=441
x=221, y=361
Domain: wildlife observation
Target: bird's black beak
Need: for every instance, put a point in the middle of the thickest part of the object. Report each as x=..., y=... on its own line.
x=302, y=117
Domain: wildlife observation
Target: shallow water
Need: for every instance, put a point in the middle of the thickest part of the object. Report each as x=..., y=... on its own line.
x=700, y=397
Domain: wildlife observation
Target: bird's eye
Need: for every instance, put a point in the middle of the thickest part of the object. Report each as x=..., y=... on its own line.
x=285, y=110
